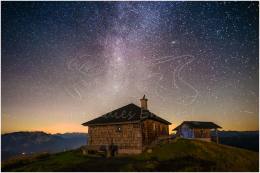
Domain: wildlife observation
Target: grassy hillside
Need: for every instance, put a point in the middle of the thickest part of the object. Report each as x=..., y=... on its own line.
x=179, y=155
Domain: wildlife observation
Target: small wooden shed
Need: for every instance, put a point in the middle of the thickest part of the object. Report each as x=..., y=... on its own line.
x=197, y=130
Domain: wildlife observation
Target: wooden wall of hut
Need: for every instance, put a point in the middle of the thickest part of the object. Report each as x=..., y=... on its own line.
x=151, y=130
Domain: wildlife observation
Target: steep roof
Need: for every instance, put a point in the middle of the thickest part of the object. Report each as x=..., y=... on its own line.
x=129, y=113
x=199, y=124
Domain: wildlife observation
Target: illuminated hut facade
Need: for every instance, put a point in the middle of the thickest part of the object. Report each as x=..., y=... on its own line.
x=197, y=130
x=130, y=129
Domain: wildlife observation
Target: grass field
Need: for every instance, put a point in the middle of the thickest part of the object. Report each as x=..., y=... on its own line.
x=179, y=155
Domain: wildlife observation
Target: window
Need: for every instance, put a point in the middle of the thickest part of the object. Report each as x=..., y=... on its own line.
x=153, y=126
x=118, y=129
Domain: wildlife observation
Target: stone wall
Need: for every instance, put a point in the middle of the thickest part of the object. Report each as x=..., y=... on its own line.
x=127, y=137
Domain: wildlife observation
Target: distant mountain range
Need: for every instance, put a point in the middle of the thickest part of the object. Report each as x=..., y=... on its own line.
x=26, y=143
x=242, y=139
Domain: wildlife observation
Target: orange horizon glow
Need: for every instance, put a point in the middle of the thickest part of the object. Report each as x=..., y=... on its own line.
x=74, y=128
x=64, y=122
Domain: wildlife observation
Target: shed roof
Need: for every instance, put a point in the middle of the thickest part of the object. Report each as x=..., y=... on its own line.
x=199, y=124
x=129, y=113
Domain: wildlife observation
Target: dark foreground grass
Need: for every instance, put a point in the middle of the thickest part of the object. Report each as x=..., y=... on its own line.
x=180, y=155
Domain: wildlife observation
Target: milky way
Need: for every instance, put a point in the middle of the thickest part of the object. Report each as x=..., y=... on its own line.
x=64, y=63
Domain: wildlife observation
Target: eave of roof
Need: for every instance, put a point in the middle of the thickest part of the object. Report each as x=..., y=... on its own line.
x=198, y=124
x=115, y=123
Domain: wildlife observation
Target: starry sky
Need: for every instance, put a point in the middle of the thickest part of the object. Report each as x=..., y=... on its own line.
x=64, y=63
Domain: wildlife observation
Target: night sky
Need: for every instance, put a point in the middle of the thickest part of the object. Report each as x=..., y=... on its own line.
x=64, y=63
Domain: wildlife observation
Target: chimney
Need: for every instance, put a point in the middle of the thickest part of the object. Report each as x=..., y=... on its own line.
x=144, y=103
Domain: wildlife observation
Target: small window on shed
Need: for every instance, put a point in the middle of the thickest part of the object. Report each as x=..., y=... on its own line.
x=118, y=129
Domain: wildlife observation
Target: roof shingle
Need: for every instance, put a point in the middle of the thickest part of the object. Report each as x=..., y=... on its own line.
x=128, y=113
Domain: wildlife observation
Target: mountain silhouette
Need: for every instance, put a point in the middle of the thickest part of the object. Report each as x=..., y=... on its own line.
x=26, y=143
